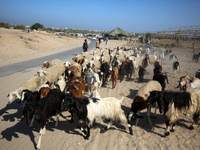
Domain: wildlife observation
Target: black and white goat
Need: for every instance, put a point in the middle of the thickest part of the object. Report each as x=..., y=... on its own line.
x=139, y=103
x=176, y=66
x=43, y=109
x=105, y=68
x=174, y=104
x=88, y=109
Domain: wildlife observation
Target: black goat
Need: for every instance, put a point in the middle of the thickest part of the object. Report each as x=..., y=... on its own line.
x=105, y=68
x=196, y=57
x=174, y=104
x=141, y=73
x=121, y=72
x=27, y=97
x=43, y=109
x=161, y=78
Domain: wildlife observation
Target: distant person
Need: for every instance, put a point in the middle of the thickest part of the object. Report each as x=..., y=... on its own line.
x=98, y=43
x=106, y=40
x=85, y=46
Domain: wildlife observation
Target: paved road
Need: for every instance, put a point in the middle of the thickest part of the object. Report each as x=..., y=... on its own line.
x=21, y=66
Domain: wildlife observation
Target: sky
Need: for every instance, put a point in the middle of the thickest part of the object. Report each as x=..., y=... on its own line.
x=104, y=15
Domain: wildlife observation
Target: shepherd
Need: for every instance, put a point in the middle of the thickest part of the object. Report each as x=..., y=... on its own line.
x=85, y=46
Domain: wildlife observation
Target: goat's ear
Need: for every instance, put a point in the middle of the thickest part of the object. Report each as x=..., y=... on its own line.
x=8, y=95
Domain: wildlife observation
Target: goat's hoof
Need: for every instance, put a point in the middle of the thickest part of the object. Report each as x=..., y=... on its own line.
x=152, y=129
x=84, y=132
x=103, y=130
x=172, y=130
x=166, y=133
x=191, y=127
x=86, y=138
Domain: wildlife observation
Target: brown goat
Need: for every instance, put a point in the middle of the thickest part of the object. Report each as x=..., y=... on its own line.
x=145, y=61
x=44, y=91
x=114, y=76
x=76, y=70
x=53, y=62
x=80, y=61
x=184, y=83
x=75, y=59
x=157, y=63
x=76, y=87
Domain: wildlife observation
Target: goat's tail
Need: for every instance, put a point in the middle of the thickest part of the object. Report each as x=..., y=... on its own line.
x=122, y=97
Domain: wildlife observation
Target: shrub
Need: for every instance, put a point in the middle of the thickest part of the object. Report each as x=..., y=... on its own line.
x=20, y=27
x=5, y=25
x=37, y=26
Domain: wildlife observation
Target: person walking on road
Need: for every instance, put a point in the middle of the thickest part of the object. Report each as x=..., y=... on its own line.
x=106, y=40
x=98, y=43
x=85, y=46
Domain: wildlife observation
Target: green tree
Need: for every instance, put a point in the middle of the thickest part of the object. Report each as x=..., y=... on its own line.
x=141, y=39
x=20, y=27
x=37, y=26
x=148, y=37
x=5, y=25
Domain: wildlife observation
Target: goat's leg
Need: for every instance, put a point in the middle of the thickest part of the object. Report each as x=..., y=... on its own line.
x=72, y=114
x=32, y=121
x=148, y=116
x=155, y=110
x=42, y=133
x=23, y=112
x=167, y=128
x=88, y=133
x=57, y=120
x=195, y=120
x=137, y=119
x=130, y=122
x=107, y=127
x=173, y=127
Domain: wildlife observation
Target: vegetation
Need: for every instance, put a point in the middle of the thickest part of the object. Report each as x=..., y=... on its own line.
x=141, y=39
x=148, y=37
x=37, y=26
x=20, y=27
x=5, y=25
x=178, y=39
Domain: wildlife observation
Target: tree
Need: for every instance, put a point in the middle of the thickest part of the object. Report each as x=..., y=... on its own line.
x=20, y=27
x=141, y=39
x=148, y=37
x=5, y=25
x=37, y=26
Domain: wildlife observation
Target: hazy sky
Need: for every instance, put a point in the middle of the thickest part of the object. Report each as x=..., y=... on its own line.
x=103, y=15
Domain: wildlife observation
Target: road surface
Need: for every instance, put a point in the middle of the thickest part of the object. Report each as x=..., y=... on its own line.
x=37, y=62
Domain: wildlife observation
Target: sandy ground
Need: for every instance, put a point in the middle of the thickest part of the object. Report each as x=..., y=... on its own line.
x=16, y=134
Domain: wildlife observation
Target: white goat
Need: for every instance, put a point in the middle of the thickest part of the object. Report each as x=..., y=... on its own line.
x=92, y=81
x=31, y=84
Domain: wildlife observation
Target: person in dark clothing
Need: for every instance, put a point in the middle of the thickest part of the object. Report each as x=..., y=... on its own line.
x=85, y=46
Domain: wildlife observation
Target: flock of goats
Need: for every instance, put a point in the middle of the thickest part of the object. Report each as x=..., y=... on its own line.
x=61, y=86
